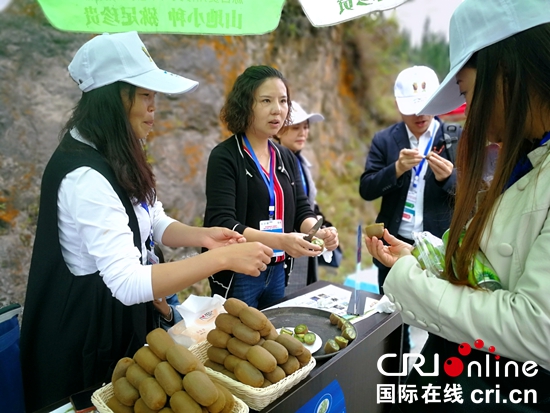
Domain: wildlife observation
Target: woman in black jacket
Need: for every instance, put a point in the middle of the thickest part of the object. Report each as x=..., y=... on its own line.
x=252, y=186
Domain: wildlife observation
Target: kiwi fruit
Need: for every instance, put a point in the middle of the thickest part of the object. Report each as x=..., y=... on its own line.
x=375, y=230
x=277, y=350
x=121, y=368
x=237, y=347
x=225, y=322
x=234, y=306
x=214, y=366
x=331, y=346
x=294, y=347
x=182, y=359
x=200, y=387
x=291, y=365
x=135, y=374
x=246, y=334
x=159, y=341
x=218, y=338
x=152, y=393
x=276, y=375
x=261, y=358
x=146, y=359
x=125, y=392
x=229, y=400
x=168, y=378
x=253, y=318
x=248, y=374
x=181, y=402
x=117, y=407
x=216, y=354
x=230, y=362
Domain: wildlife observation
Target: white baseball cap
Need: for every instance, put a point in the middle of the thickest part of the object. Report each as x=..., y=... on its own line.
x=413, y=87
x=476, y=24
x=299, y=115
x=109, y=58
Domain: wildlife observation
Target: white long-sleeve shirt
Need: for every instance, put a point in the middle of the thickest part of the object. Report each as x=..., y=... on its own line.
x=94, y=234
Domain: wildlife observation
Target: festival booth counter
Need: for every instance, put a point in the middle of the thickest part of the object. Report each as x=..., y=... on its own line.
x=347, y=379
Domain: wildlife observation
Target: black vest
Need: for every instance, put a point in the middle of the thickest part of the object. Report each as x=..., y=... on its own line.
x=73, y=330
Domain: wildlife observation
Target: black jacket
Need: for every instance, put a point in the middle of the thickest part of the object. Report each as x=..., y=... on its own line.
x=236, y=195
x=73, y=330
x=380, y=180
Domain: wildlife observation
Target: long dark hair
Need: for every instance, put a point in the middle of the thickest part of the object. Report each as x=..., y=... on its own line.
x=101, y=118
x=237, y=111
x=519, y=67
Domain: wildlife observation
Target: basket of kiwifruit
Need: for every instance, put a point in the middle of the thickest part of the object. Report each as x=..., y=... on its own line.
x=246, y=354
x=164, y=377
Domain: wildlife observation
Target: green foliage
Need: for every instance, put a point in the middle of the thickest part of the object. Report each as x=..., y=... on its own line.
x=433, y=51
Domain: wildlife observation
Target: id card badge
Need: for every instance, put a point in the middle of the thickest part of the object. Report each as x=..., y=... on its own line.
x=273, y=225
x=410, y=203
x=152, y=258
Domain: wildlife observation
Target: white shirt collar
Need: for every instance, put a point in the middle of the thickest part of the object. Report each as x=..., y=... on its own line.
x=434, y=126
x=76, y=135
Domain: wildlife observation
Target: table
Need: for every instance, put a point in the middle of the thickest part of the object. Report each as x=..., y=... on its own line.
x=353, y=371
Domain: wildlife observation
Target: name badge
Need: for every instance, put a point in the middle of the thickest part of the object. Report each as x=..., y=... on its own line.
x=152, y=258
x=409, y=211
x=273, y=225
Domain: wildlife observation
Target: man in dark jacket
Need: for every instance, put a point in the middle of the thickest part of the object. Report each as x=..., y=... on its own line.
x=410, y=166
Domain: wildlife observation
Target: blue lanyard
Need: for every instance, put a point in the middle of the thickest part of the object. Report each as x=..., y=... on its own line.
x=270, y=184
x=151, y=241
x=417, y=169
x=304, y=183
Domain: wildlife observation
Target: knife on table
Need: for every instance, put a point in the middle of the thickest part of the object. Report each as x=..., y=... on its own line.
x=314, y=230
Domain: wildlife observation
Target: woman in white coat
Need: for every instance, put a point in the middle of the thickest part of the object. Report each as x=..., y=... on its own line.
x=500, y=60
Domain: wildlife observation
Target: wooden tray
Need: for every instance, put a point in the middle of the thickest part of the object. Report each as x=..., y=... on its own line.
x=317, y=320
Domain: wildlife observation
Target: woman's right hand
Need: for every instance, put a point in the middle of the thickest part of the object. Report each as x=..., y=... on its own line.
x=247, y=258
x=296, y=246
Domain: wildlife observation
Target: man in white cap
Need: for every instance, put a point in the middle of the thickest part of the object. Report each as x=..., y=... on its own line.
x=410, y=165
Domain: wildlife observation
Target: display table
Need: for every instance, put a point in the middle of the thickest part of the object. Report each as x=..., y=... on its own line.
x=350, y=377
x=352, y=372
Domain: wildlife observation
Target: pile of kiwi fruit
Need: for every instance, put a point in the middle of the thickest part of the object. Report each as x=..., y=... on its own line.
x=246, y=347
x=165, y=377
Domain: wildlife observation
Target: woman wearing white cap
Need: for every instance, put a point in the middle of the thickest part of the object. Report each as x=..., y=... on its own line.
x=294, y=137
x=252, y=186
x=492, y=345
x=90, y=287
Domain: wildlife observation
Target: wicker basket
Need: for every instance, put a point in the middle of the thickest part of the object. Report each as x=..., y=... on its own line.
x=256, y=398
x=101, y=397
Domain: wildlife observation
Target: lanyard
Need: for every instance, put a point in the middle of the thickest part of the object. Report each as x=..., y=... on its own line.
x=417, y=169
x=304, y=183
x=270, y=184
x=151, y=241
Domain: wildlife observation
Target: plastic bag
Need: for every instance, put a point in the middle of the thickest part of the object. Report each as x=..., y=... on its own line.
x=430, y=253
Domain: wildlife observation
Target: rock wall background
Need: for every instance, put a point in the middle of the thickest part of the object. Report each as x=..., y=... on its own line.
x=345, y=72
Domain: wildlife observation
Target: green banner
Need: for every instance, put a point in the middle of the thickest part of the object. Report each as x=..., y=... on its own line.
x=216, y=17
